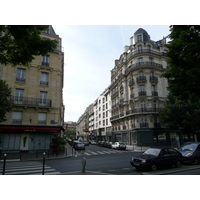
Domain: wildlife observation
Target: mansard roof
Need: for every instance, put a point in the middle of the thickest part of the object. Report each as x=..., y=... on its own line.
x=146, y=36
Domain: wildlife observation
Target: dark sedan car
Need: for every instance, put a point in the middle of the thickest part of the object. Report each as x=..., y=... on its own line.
x=190, y=152
x=153, y=158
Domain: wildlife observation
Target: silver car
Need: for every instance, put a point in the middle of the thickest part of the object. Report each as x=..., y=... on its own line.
x=119, y=145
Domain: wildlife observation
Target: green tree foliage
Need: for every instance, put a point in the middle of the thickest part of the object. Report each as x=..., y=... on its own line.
x=184, y=62
x=180, y=114
x=5, y=105
x=19, y=44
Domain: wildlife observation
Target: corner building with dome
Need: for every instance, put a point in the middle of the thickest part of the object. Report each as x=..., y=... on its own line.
x=138, y=92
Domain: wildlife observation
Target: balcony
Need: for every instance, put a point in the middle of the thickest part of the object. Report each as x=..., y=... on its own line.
x=121, y=114
x=142, y=93
x=144, y=125
x=142, y=110
x=141, y=79
x=30, y=102
x=17, y=121
x=143, y=64
x=143, y=51
x=41, y=122
x=20, y=80
x=154, y=93
x=153, y=80
x=45, y=63
x=45, y=83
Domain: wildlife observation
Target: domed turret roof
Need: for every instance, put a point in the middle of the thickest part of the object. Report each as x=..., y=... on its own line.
x=146, y=36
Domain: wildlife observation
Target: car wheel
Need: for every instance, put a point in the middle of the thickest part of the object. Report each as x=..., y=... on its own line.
x=153, y=167
x=195, y=161
x=178, y=164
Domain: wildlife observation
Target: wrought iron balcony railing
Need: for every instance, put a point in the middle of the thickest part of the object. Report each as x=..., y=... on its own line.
x=30, y=102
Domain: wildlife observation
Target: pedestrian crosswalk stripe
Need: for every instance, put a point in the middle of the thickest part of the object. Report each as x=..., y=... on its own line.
x=94, y=153
x=107, y=152
x=88, y=154
x=28, y=168
x=100, y=152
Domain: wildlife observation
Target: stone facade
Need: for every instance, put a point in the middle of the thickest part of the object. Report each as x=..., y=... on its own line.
x=38, y=111
x=137, y=88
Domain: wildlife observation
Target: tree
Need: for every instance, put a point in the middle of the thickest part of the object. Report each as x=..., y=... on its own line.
x=178, y=114
x=184, y=62
x=5, y=103
x=19, y=44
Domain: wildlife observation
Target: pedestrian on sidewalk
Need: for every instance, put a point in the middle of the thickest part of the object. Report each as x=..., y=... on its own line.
x=55, y=149
x=51, y=148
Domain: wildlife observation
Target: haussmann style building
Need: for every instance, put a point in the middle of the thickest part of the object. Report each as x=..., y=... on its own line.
x=138, y=92
x=37, y=115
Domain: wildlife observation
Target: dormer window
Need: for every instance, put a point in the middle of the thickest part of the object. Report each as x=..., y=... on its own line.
x=139, y=37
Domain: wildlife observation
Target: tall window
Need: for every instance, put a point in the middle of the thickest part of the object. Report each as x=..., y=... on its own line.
x=43, y=98
x=143, y=106
x=141, y=74
x=140, y=61
x=42, y=117
x=45, y=60
x=44, y=78
x=144, y=122
x=21, y=75
x=17, y=118
x=19, y=95
x=142, y=88
x=140, y=49
x=153, y=90
x=151, y=60
x=148, y=48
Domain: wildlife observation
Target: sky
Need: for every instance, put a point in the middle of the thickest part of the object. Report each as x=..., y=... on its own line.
x=90, y=52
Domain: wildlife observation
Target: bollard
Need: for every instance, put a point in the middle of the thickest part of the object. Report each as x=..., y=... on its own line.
x=4, y=163
x=83, y=164
x=0, y=152
x=43, y=163
x=72, y=151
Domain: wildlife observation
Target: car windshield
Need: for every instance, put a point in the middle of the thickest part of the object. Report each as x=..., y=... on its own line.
x=152, y=151
x=121, y=143
x=189, y=147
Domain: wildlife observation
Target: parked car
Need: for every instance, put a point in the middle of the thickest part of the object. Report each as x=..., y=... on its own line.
x=108, y=144
x=154, y=158
x=86, y=143
x=100, y=143
x=92, y=142
x=118, y=145
x=79, y=145
x=190, y=152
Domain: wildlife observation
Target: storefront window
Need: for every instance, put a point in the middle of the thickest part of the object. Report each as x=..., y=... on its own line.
x=175, y=140
x=160, y=138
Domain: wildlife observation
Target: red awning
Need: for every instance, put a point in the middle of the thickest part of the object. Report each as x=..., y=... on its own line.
x=30, y=129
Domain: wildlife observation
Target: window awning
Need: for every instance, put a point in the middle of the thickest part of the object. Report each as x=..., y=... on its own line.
x=30, y=129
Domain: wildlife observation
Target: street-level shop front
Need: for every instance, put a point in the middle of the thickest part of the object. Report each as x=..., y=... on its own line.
x=15, y=138
x=150, y=137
